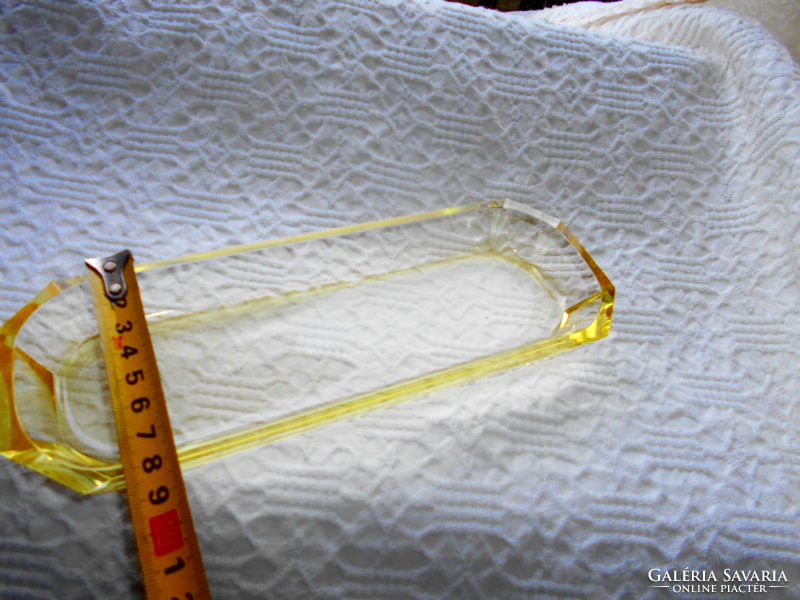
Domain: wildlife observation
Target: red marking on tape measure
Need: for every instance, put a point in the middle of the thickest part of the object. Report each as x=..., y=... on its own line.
x=166, y=531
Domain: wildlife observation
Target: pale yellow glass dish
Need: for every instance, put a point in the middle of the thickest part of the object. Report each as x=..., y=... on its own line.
x=258, y=342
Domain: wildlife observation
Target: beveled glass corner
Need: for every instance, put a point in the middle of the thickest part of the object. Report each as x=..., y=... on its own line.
x=258, y=342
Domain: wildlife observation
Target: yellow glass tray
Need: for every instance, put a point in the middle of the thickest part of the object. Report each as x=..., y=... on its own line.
x=262, y=341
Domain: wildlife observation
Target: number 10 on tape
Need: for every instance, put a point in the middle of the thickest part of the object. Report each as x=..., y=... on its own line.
x=169, y=555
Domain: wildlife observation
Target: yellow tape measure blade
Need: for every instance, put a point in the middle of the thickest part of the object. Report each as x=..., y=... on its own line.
x=169, y=554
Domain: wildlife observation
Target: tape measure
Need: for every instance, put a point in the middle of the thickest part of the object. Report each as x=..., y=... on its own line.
x=166, y=542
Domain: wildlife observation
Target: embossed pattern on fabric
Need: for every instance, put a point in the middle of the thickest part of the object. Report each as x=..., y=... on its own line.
x=174, y=128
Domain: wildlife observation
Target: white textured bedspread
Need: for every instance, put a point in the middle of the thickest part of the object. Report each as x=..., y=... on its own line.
x=666, y=136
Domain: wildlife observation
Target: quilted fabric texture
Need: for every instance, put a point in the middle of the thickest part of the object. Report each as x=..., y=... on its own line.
x=667, y=137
